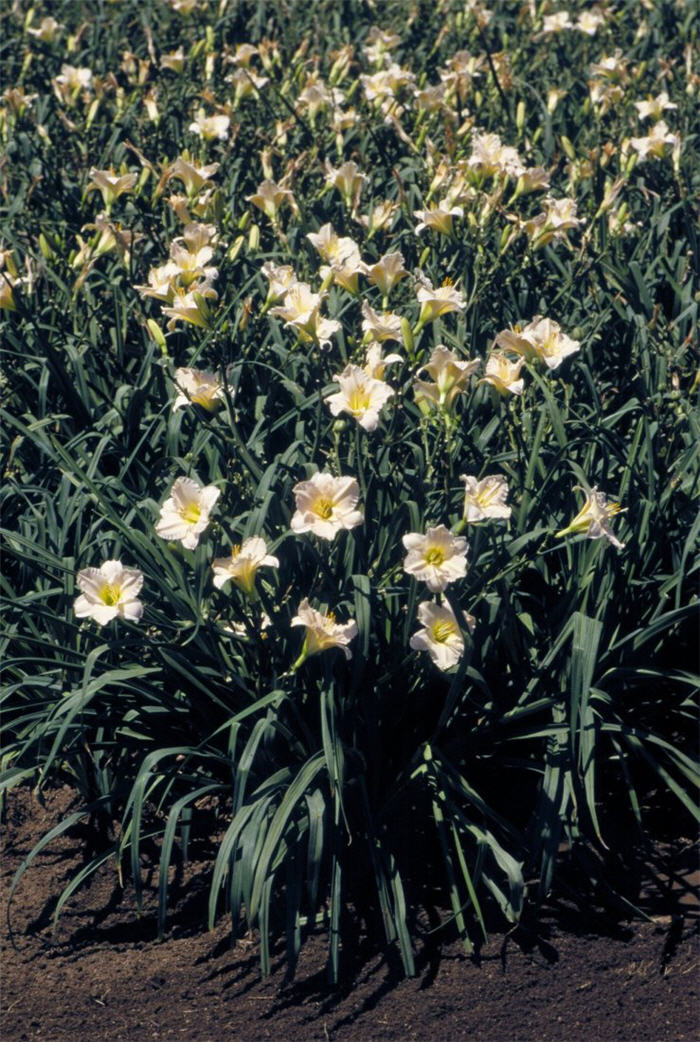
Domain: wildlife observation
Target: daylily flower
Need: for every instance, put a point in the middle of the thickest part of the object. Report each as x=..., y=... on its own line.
x=160, y=282
x=47, y=30
x=210, y=127
x=71, y=81
x=589, y=22
x=247, y=83
x=301, y=309
x=243, y=564
x=360, y=395
x=348, y=179
x=381, y=327
x=440, y=636
x=654, y=108
x=174, y=60
x=376, y=363
x=281, y=278
x=438, y=218
x=108, y=592
x=438, y=301
x=198, y=387
x=554, y=23
x=491, y=157
x=541, y=339
x=322, y=632
x=185, y=514
x=190, y=305
x=656, y=143
x=388, y=270
x=110, y=184
x=553, y=223
x=270, y=197
x=503, y=374
x=379, y=216
x=451, y=375
x=438, y=557
x=331, y=247
x=593, y=518
x=326, y=505
x=485, y=498
x=192, y=176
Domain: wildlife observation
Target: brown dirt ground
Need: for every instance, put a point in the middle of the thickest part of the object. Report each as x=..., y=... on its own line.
x=102, y=978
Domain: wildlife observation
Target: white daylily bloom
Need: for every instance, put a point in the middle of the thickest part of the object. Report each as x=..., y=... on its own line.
x=210, y=127
x=388, y=270
x=243, y=564
x=656, y=142
x=326, y=505
x=281, y=278
x=192, y=176
x=185, y=514
x=654, y=108
x=485, y=498
x=594, y=519
x=108, y=592
x=437, y=301
x=110, y=184
x=199, y=387
x=360, y=395
x=376, y=362
x=438, y=557
x=269, y=197
x=440, y=636
x=450, y=374
x=504, y=374
x=439, y=218
x=301, y=309
x=541, y=339
x=380, y=326
x=322, y=631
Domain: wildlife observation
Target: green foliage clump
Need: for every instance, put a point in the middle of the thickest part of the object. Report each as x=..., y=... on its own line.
x=558, y=704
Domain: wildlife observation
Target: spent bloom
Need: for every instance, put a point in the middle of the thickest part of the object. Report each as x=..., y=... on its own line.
x=185, y=514
x=485, y=498
x=325, y=505
x=437, y=558
x=243, y=563
x=594, y=518
x=108, y=592
x=198, y=387
x=440, y=635
x=322, y=632
x=361, y=395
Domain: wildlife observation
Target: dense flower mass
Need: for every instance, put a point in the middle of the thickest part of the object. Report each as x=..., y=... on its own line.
x=327, y=321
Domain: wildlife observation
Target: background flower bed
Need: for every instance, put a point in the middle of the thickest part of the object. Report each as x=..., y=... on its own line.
x=570, y=706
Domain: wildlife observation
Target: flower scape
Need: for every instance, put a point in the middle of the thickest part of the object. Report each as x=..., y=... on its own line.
x=311, y=350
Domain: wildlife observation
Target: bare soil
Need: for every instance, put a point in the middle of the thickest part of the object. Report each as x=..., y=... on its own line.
x=103, y=978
